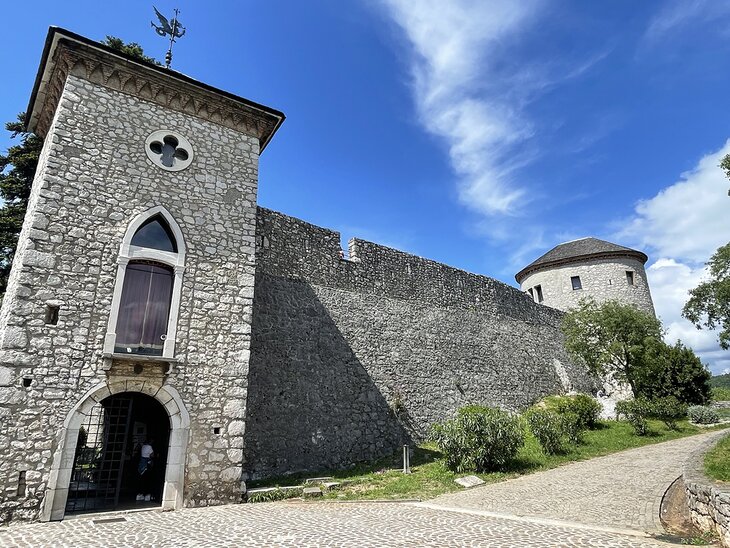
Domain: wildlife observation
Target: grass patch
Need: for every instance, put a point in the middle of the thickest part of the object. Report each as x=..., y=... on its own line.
x=717, y=461
x=383, y=480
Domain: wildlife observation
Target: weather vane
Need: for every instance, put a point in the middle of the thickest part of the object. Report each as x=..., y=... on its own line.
x=172, y=28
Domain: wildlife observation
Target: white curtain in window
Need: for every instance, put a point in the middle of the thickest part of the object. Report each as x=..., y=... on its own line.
x=144, y=309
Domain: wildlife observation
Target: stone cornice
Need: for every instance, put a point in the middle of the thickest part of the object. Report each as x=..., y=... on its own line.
x=67, y=54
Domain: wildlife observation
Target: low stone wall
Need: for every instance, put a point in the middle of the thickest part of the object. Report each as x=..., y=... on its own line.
x=708, y=500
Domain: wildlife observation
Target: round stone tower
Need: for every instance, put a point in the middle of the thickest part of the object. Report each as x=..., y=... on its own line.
x=588, y=267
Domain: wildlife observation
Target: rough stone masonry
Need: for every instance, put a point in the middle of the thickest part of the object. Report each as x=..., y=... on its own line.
x=285, y=357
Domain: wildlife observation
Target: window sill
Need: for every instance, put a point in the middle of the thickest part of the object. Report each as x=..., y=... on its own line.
x=140, y=358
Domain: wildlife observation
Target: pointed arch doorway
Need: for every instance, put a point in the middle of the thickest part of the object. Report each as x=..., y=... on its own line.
x=108, y=472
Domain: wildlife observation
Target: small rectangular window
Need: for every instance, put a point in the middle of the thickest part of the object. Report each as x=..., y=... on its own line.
x=575, y=282
x=52, y=315
x=538, y=291
x=630, y=277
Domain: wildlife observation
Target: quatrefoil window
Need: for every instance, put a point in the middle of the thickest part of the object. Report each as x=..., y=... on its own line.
x=169, y=150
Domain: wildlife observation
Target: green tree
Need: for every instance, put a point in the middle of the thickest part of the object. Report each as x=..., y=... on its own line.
x=133, y=49
x=611, y=338
x=673, y=371
x=17, y=169
x=709, y=303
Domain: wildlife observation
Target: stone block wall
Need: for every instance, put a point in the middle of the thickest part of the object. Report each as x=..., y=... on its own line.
x=93, y=179
x=350, y=358
x=602, y=279
x=708, y=500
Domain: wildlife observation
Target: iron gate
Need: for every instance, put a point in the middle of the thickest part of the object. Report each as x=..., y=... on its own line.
x=96, y=477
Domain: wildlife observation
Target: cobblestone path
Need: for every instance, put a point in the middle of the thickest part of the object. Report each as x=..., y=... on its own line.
x=609, y=501
x=310, y=524
x=623, y=490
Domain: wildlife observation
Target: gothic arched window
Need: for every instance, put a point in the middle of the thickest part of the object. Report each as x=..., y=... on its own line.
x=143, y=319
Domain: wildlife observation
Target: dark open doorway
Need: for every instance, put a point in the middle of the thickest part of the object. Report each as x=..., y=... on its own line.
x=106, y=472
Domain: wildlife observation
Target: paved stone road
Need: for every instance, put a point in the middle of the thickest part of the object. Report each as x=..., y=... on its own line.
x=310, y=524
x=623, y=490
x=603, y=502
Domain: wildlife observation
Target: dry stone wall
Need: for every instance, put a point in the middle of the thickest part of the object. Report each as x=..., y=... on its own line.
x=350, y=358
x=93, y=179
x=708, y=500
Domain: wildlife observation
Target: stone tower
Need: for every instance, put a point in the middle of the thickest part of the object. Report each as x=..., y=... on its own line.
x=588, y=267
x=128, y=310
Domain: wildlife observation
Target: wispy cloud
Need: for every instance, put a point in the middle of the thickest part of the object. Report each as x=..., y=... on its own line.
x=455, y=49
x=676, y=15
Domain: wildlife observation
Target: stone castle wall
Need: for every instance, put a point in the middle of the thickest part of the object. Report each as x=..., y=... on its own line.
x=349, y=358
x=92, y=180
x=602, y=279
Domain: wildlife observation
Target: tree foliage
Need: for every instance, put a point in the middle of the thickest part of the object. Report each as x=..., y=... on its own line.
x=133, y=49
x=673, y=371
x=17, y=169
x=611, y=338
x=709, y=303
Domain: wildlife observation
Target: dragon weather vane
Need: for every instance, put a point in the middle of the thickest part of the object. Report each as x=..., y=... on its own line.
x=172, y=28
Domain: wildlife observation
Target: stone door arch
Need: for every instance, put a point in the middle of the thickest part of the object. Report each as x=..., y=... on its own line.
x=54, y=502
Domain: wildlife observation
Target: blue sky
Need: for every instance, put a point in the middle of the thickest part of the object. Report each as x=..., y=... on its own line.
x=476, y=133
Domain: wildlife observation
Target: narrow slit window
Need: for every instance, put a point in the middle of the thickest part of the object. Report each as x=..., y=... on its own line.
x=575, y=282
x=630, y=277
x=532, y=293
x=21, y=484
x=538, y=292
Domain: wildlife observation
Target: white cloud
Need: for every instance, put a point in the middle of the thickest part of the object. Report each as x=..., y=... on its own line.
x=689, y=219
x=455, y=49
x=683, y=225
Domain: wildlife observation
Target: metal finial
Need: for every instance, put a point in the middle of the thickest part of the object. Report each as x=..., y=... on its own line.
x=173, y=29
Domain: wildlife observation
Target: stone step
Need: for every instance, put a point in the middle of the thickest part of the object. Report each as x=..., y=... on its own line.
x=329, y=485
x=267, y=489
x=310, y=492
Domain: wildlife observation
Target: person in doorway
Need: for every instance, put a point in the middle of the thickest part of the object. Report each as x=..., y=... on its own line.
x=144, y=471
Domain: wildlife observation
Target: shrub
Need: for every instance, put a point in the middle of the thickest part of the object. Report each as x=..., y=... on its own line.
x=636, y=412
x=479, y=438
x=586, y=410
x=701, y=414
x=668, y=410
x=573, y=428
x=548, y=427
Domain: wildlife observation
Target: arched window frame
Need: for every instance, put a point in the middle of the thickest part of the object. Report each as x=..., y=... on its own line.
x=176, y=261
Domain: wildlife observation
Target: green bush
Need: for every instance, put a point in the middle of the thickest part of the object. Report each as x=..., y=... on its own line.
x=548, y=427
x=701, y=414
x=586, y=410
x=635, y=412
x=479, y=438
x=669, y=410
